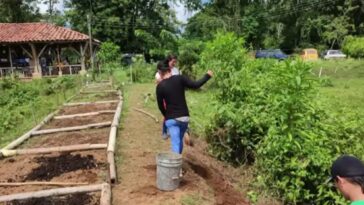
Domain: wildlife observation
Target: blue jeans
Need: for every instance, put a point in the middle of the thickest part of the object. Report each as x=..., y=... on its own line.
x=177, y=130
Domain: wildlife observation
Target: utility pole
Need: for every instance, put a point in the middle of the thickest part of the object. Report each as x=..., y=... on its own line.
x=90, y=38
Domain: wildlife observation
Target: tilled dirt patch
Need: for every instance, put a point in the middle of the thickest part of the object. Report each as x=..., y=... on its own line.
x=87, y=167
x=224, y=192
x=55, y=166
x=196, y=170
x=70, y=110
x=59, y=123
x=94, y=97
x=91, y=136
x=75, y=199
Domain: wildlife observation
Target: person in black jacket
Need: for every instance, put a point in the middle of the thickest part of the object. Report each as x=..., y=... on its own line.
x=172, y=90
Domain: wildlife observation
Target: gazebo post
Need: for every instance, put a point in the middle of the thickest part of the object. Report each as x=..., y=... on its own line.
x=37, y=71
x=40, y=54
x=11, y=62
x=94, y=58
x=59, y=61
x=83, y=52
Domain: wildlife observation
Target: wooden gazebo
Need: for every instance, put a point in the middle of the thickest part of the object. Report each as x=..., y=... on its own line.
x=35, y=49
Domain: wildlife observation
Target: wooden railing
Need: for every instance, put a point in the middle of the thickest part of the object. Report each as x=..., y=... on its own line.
x=26, y=72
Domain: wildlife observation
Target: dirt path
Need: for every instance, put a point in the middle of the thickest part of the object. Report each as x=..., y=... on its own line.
x=206, y=181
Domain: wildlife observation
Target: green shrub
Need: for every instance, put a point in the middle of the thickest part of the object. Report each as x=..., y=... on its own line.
x=141, y=71
x=326, y=82
x=268, y=115
x=189, y=54
x=225, y=55
x=20, y=101
x=354, y=46
x=109, y=56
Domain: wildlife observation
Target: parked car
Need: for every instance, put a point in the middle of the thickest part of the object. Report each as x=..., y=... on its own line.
x=21, y=62
x=271, y=53
x=309, y=54
x=127, y=59
x=333, y=54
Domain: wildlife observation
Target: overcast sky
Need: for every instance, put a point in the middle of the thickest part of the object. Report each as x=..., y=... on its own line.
x=181, y=13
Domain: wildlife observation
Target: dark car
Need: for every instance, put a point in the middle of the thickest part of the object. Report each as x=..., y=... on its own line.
x=271, y=53
x=21, y=62
x=127, y=59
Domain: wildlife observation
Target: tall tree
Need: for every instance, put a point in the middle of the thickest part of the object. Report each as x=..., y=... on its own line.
x=124, y=22
x=52, y=12
x=287, y=24
x=16, y=11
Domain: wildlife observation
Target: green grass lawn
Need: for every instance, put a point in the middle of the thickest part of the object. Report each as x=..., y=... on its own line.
x=347, y=77
x=201, y=106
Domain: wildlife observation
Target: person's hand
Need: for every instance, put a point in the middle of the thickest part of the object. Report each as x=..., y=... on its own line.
x=210, y=73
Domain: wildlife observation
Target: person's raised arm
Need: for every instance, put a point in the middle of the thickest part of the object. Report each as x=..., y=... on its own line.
x=197, y=84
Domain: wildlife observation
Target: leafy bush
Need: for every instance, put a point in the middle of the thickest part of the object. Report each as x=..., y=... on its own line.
x=354, y=46
x=109, y=55
x=269, y=115
x=142, y=72
x=226, y=55
x=326, y=82
x=189, y=54
x=21, y=102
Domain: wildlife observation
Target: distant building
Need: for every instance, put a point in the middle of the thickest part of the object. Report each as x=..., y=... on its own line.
x=36, y=50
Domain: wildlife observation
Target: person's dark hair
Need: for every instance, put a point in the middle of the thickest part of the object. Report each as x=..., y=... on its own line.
x=171, y=57
x=359, y=180
x=160, y=65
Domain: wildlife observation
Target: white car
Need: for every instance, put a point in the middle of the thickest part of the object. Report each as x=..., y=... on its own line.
x=333, y=54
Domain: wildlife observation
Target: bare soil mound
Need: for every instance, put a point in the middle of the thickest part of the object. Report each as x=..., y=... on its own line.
x=225, y=194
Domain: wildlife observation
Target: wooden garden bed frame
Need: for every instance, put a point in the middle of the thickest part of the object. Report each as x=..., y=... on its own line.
x=105, y=188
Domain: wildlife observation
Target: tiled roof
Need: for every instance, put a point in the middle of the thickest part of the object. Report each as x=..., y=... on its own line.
x=38, y=32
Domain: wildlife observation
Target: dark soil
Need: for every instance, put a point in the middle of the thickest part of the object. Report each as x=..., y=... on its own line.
x=70, y=110
x=225, y=193
x=55, y=166
x=91, y=136
x=100, y=96
x=78, y=121
x=75, y=199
